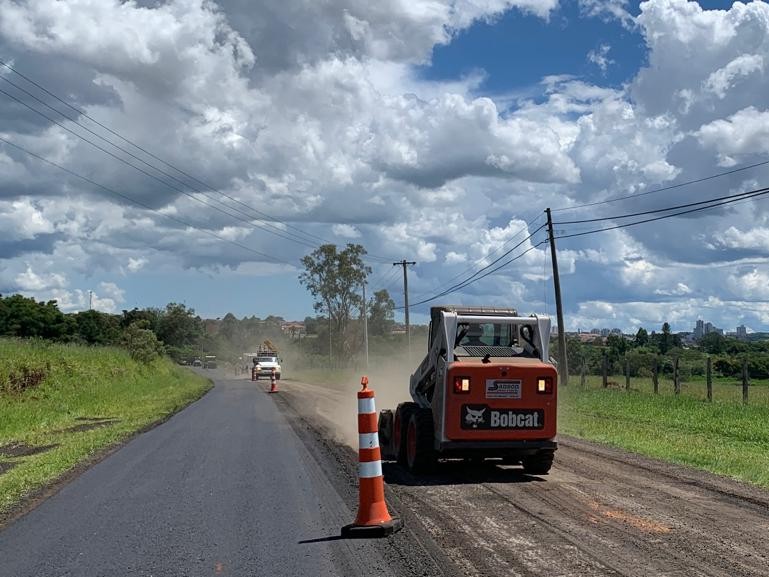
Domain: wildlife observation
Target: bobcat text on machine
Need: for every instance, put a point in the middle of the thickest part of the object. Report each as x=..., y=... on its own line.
x=486, y=389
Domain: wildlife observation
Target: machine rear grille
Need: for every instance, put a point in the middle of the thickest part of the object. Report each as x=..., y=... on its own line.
x=492, y=351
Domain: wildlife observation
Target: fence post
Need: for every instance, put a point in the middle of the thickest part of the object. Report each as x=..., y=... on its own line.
x=745, y=381
x=627, y=373
x=709, y=379
x=655, y=376
x=676, y=378
x=605, y=369
x=582, y=374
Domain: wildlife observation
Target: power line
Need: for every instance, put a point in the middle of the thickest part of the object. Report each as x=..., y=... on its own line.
x=285, y=234
x=236, y=216
x=475, y=278
x=658, y=210
x=753, y=194
x=665, y=188
x=143, y=205
x=138, y=147
x=495, y=251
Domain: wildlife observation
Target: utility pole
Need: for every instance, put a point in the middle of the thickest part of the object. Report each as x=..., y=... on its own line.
x=563, y=367
x=90, y=299
x=365, y=324
x=404, y=263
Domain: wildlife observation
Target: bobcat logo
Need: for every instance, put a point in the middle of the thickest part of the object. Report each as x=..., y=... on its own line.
x=474, y=417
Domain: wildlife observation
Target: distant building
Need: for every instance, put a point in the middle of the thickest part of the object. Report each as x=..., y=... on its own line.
x=702, y=328
x=293, y=328
x=604, y=332
x=742, y=332
x=595, y=332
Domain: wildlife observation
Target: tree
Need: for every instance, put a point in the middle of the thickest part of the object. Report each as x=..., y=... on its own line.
x=97, y=328
x=141, y=342
x=641, y=338
x=24, y=317
x=665, y=339
x=335, y=279
x=381, y=313
x=179, y=327
x=713, y=343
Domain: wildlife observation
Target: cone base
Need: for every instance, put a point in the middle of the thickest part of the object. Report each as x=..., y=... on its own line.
x=372, y=531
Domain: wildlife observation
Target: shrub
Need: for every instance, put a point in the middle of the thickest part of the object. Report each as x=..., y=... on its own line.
x=141, y=342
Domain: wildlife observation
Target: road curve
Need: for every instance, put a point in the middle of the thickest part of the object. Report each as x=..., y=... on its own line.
x=225, y=487
x=601, y=511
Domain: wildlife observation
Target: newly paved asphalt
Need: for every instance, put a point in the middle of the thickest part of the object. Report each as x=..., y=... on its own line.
x=223, y=488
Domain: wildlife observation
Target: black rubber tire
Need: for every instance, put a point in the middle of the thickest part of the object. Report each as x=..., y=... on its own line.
x=277, y=376
x=424, y=457
x=403, y=416
x=385, y=428
x=538, y=464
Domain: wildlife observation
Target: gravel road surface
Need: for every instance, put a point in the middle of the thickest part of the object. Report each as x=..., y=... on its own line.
x=601, y=511
x=232, y=485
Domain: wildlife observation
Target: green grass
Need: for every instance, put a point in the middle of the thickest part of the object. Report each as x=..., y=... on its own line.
x=724, y=437
x=79, y=382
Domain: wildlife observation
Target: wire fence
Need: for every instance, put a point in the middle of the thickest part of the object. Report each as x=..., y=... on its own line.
x=675, y=377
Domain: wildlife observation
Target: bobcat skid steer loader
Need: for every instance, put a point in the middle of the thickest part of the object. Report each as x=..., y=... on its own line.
x=486, y=389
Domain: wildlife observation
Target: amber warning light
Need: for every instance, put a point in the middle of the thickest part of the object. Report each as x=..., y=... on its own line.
x=545, y=385
x=461, y=384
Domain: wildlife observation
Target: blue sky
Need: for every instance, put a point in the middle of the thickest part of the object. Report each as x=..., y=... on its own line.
x=515, y=51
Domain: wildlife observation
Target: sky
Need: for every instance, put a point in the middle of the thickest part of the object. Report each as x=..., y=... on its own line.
x=195, y=150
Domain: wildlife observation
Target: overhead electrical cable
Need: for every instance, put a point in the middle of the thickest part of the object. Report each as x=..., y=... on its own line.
x=665, y=188
x=236, y=215
x=285, y=234
x=742, y=197
x=474, y=277
x=658, y=210
x=143, y=205
x=493, y=252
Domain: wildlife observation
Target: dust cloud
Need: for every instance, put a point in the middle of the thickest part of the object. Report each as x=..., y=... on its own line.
x=336, y=403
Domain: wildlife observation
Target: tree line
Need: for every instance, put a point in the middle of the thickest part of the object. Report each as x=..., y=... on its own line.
x=639, y=354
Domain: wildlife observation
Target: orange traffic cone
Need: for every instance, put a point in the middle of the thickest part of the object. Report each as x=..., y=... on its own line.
x=373, y=518
x=273, y=382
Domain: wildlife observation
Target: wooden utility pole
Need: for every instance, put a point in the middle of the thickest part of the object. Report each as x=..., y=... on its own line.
x=563, y=367
x=676, y=378
x=404, y=263
x=709, y=377
x=605, y=369
x=655, y=374
x=627, y=373
x=365, y=324
x=745, y=381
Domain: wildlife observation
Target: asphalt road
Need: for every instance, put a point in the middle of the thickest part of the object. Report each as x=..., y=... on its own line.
x=229, y=486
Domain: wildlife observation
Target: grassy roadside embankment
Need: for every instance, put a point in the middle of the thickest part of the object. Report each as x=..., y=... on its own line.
x=61, y=404
x=723, y=437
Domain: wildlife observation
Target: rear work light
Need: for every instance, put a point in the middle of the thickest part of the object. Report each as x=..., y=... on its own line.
x=545, y=385
x=461, y=385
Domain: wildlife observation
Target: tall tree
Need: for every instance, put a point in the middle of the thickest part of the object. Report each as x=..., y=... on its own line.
x=641, y=338
x=179, y=326
x=381, y=313
x=335, y=279
x=665, y=339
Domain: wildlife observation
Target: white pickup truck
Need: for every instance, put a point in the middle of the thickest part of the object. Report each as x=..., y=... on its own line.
x=267, y=360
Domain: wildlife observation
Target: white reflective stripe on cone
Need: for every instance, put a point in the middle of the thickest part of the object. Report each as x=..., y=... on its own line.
x=368, y=440
x=370, y=469
x=366, y=406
